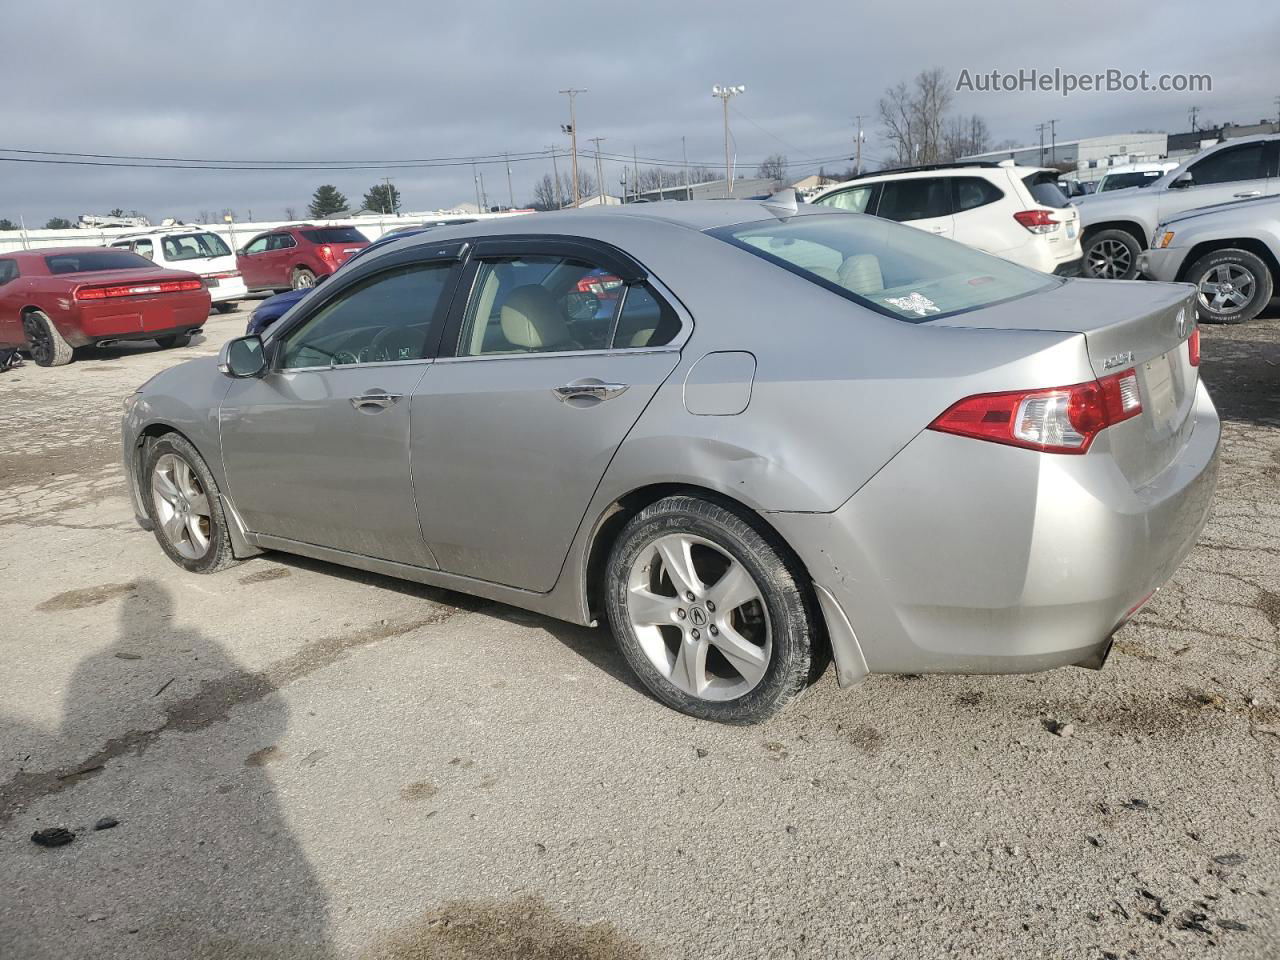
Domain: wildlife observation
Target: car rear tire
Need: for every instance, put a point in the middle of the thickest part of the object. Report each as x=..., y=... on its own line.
x=45, y=344
x=1111, y=255
x=302, y=278
x=182, y=499
x=177, y=340
x=1232, y=285
x=710, y=610
x=224, y=307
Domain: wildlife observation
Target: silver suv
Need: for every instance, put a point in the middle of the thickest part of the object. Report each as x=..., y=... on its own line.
x=1117, y=225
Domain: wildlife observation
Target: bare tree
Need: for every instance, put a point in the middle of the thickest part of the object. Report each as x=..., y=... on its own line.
x=773, y=167
x=964, y=137
x=290, y=213
x=912, y=117
x=545, y=196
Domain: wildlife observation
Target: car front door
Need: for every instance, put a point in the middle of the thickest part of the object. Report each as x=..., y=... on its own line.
x=317, y=450
x=252, y=262
x=921, y=202
x=1232, y=173
x=512, y=433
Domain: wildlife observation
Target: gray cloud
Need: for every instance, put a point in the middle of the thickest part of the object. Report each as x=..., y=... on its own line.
x=393, y=80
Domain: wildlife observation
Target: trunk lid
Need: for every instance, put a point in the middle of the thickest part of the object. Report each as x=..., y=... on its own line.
x=1126, y=325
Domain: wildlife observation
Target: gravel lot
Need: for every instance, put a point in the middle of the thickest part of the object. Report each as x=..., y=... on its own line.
x=307, y=761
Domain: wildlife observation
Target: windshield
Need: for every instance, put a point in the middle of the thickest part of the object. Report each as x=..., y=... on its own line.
x=89, y=261
x=1118, y=181
x=197, y=246
x=893, y=269
x=335, y=235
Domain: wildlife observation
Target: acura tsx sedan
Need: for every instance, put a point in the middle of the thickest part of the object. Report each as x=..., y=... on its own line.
x=795, y=435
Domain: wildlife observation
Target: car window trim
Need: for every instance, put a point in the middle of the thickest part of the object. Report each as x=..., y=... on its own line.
x=454, y=252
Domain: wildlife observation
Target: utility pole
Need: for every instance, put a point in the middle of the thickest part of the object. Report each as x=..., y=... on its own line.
x=1040, y=127
x=1053, y=141
x=484, y=196
x=1277, y=123
x=599, y=169
x=555, y=167
x=684, y=151
x=857, y=154
x=724, y=93
x=572, y=131
x=476, y=177
x=511, y=194
x=391, y=196
x=635, y=168
x=1194, y=112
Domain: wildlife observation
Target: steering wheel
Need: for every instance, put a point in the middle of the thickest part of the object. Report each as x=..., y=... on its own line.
x=378, y=346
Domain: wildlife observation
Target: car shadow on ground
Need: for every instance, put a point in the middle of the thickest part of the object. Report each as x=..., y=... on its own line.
x=200, y=833
x=593, y=644
x=1241, y=366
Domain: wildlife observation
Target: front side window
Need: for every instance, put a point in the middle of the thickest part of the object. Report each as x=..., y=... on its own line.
x=854, y=199
x=905, y=273
x=1227, y=166
x=384, y=319
x=918, y=198
x=198, y=246
x=257, y=245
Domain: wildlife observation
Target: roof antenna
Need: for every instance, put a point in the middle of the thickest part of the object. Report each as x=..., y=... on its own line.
x=782, y=204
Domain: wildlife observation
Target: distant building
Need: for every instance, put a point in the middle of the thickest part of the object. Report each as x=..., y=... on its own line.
x=747, y=188
x=595, y=200
x=1091, y=156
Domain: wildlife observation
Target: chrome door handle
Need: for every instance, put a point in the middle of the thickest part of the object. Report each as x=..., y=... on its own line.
x=1247, y=194
x=589, y=390
x=375, y=398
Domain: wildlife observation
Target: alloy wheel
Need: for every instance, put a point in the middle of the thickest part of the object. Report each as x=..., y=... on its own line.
x=38, y=337
x=1227, y=288
x=303, y=279
x=699, y=616
x=182, y=507
x=1110, y=259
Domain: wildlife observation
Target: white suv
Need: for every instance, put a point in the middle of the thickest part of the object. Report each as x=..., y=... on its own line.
x=1018, y=213
x=198, y=251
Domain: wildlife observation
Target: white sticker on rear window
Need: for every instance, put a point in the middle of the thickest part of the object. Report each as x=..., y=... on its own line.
x=917, y=303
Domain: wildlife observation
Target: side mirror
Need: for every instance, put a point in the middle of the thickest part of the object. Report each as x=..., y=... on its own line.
x=243, y=357
x=1183, y=181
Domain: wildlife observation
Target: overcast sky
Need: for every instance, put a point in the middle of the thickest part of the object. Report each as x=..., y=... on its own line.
x=383, y=79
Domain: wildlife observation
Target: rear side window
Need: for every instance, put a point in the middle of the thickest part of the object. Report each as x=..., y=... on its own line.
x=143, y=248
x=645, y=321
x=197, y=246
x=335, y=235
x=91, y=260
x=8, y=271
x=905, y=273
x=855, y=199
x=280, y=241
x=919, y=198
x=974, y=192
x=1044, y=189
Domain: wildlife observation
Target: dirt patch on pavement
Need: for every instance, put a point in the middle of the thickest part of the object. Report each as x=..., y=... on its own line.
x=86, y=597
x=492, y=930
x=264, y=576
x=422, y=790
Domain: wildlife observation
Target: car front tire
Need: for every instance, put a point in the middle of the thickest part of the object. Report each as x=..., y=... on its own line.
x=1232, y=285
x=182, y=498
x=225, y=307
x=45, y=344
x=177, y=340
x=711, y=611
x=1111, y=255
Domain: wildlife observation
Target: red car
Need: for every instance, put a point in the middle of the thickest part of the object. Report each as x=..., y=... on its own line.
x=291, y=258
x=57, y=299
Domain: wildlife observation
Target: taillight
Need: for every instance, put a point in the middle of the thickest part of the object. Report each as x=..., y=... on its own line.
x=326, y=252
x=1037, y=221
x=605, y=286
x=1193, y=348
x=139, y=289
x=1057, y=420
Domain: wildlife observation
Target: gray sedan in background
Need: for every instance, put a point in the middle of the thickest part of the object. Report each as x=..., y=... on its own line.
x=753, y=437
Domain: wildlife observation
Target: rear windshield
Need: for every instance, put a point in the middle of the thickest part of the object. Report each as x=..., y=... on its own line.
x=92, y=260
x=335, y=235
x=893, y=269
x=1118, y=181
x=196, y=246
x=1045, y=190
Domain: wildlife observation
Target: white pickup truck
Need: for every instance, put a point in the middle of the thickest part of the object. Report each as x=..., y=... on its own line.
x=1116, y=226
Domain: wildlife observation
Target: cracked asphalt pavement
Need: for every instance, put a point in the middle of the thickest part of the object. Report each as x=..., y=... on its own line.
x=310, y=762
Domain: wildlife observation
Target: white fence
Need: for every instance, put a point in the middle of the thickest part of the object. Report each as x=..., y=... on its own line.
x=236, y=234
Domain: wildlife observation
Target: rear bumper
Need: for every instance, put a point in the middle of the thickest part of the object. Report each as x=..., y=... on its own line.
x=228, y=290
x=962, y=556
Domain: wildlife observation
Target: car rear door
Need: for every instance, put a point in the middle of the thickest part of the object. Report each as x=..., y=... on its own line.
x=921, y=202
x=317, y=450
x=512, y=433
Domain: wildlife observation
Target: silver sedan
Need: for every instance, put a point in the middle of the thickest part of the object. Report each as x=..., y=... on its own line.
x=752, y=437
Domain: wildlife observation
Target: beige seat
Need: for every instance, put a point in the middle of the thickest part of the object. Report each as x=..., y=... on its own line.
x=860, y=273
x=531, y=320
